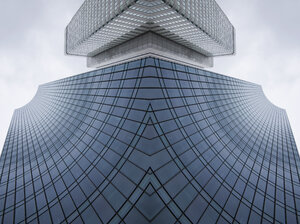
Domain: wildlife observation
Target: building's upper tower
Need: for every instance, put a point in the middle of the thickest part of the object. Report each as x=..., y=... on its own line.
x=189, y=31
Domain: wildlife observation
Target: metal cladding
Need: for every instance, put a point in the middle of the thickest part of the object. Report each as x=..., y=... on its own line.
x=197, y=24
x=149, y=142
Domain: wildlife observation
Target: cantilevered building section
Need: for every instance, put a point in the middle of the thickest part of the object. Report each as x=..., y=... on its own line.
x=150, y=142
x=150, y=137
x=188, y=31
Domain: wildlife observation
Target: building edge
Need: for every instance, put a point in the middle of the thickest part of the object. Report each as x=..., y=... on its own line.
x=149, y=44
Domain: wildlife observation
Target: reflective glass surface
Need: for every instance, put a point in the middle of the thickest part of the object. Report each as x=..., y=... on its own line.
x=149, y=141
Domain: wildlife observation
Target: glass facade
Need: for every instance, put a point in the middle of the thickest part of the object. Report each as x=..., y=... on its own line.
x=197, y=24
x=150, y=141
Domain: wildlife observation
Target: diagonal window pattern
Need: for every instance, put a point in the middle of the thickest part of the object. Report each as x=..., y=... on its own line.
x=153, y=141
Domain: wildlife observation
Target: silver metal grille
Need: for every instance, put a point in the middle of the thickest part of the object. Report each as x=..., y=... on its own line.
x=198, y=24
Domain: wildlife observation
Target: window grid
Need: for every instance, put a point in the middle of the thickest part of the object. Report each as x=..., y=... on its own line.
x=108, y=139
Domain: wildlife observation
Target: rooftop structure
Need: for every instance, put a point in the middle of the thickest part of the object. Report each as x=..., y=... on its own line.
x=107, y=31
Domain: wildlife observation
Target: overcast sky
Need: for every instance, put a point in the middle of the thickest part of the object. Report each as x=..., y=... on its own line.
x=32, y=50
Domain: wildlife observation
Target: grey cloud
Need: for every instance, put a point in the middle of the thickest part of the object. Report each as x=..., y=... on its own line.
x=32, y=50
x=268, y=50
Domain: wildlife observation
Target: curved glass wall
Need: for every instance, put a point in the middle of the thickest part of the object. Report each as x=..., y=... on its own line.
x=149, y=141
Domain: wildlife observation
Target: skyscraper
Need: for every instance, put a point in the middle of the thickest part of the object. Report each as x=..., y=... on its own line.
x=148, y=138
x=186, y=31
